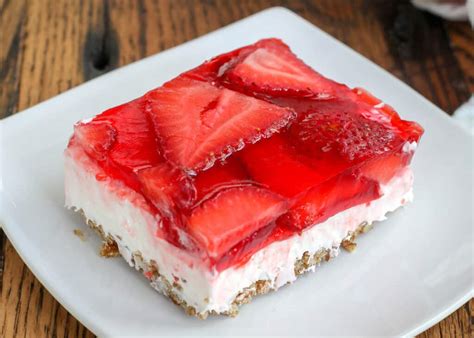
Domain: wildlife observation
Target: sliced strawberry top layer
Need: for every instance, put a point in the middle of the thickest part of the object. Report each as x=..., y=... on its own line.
x=381, y=112
x=96, y=138
x=135, y=145
x=198, y=123
x=122, y=139
x=248, y=148
x=272, y=69
x=223, y=221
x=167, y=187
x=221, y=176
x=341, y=128
x=274, y=163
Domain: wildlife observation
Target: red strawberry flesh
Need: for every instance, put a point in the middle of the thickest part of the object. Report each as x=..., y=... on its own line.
x=169, y=190
x=198, y=123
x=274, y=70
x=232, y=215
x=135, y=145
x=329, y=198
x=221, y=176
x=167, y=187
x=341, y=129
x=96, y=138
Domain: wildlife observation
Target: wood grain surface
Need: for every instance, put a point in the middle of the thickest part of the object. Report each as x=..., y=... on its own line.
x=47, y=47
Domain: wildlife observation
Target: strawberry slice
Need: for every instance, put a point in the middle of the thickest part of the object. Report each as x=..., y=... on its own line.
x=170, y=191
x=233, y=215
x=198, y=123
x=273, y=69
x=340, y=128
x=167, y=188
x=220, y=176
x=382, y=112
x=96, y=138
x=211, y=70
x=384, y=168
x=329, y=198
x=135, y=145
x=365, y=96
x=276, y=165
x=125, y=141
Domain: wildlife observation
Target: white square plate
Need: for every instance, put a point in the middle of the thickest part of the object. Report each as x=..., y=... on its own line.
x=408, y=273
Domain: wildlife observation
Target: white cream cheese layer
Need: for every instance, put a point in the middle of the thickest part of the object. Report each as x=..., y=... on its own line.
x=124, y=215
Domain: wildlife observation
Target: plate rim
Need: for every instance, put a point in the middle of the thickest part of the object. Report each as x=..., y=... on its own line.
x=16, y=238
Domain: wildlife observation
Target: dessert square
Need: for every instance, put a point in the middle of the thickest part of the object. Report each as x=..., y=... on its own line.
x=237, y=176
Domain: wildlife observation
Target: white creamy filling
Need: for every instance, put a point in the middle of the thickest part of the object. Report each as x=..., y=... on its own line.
x=123, y=214
x=409, y=147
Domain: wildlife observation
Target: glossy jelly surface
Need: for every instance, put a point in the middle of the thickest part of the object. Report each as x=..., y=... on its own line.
x=251, y=147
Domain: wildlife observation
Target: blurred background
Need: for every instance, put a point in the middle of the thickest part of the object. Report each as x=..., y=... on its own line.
x=49, y=46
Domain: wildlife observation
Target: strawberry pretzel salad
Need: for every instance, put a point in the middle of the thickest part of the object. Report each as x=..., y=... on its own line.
x=237, y=176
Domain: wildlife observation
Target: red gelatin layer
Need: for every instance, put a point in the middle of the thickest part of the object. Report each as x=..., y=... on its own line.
x=251, y=147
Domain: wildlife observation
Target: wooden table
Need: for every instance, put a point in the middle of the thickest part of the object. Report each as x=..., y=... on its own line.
x=48, y=47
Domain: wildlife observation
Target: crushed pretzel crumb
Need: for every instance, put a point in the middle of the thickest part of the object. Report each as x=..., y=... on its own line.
x=109, y=249
x=349, y=245
x=79, y=233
